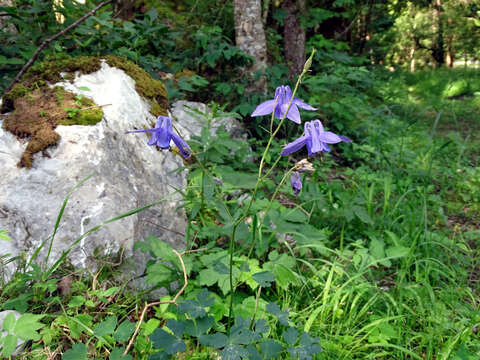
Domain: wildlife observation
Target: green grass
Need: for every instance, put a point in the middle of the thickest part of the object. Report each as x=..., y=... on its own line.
x=381, y=259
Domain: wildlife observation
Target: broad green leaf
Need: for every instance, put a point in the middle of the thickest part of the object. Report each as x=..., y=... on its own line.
x=164, y=340
x=106, y=327
x=110, y=291
x=271, y=349
x=295, y=215
x=282, y=316
x=27, y=325
x=234, y=352
x=117, y=354
x=76, y=301
x=217, y=340
x=205, y=298
x=77, y=352
x=397, y=251
x=290, y=336
x=192, y=307
x=264, y=278
x=9, y=345
x=362, y=214
x=9, y=322
x=199, y=326
x=124, y=331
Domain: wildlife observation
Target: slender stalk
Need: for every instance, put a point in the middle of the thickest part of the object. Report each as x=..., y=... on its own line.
x=260, y=178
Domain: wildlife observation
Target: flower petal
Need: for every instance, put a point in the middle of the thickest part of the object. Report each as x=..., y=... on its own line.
x=316, y=143
x=264, y=108
x=294, y=114
x=296, y=182
x=303, y=105
x=294, y=145
x=344, y=138
x=329, y=137
x=182, y=145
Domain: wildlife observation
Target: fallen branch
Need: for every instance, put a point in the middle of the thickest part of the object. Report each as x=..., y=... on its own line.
x=173, y=301
x=49, y=40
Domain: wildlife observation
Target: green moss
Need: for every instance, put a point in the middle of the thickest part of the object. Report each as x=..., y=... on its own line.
x=152, y=90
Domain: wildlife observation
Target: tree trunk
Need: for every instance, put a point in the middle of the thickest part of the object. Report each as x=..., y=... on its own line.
x=294, y=36
x=250, y=36
x=438, y=51
x=412, y=59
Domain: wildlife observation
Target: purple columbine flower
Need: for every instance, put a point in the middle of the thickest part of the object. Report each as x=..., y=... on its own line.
x=296, y=182
x=315, y=138
x=283, y=94
x=162, y=133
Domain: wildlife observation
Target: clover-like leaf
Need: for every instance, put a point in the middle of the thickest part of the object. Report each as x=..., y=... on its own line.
x=290, y=336
x=264, y=278
x=192, y=307
x=8, y=346
x=77, y=352
x=271, y=349
x=117, y=354
x=164, y=340
x=199, y=326
x=106, y=327
x=124, y=331
x=205, y=298
x=217, y=340
x=27, y=325
x=282, y=316
x=240, y=333
x=253, y=353
x=234, y=352
x=306, y=348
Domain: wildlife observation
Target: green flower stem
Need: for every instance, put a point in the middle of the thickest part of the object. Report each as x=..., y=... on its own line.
x=260, y=178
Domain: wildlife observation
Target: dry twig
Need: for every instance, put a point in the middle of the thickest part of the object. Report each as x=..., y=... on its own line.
x=147, y=306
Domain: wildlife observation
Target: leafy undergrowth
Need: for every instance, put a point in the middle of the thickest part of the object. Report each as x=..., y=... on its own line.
x=376, y=258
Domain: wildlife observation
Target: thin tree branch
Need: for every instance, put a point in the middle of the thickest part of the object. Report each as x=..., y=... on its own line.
x=147, y=306
x=49, y=40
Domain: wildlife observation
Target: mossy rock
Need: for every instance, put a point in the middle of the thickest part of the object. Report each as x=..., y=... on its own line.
x=456, y=89
x=37, y=109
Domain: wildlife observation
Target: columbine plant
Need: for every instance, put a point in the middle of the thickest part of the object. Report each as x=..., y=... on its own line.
x=283, y=103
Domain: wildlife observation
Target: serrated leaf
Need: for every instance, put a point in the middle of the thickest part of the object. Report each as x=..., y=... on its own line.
x=234, y=352
x=306, y=348
x=27, y=325
x=76, y=301
x=106, y=327
x=124, y=331
x=290, y=336
x=282, y=316
x=9, y=322
x=176, y=327
x=77, y=352
x=205, y=298
x=264, y=278
x=164, y=340
x=217, y=340
x=199, y=326
x=362, y=214
x=117, y=354
x=192, y=307
x=271, y=349
x=253, y=353
x=9, y=345
x=397, y=251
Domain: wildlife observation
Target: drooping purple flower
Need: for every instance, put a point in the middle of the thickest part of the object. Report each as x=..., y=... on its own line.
x=283, y=94
x=296, y=182
x=315, y=138
x=163, y=133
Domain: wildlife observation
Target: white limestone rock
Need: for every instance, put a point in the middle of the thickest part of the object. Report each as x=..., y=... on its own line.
x=128, y=174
